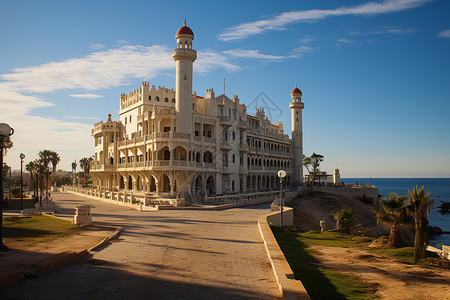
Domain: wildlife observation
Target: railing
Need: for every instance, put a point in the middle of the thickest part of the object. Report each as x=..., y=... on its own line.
x=165, y=111
x=162, y=134
x=224, y=119
x=243, y=147
x=210, y=165
x=197, y=138
x=209, y=140
x=225, y=145
x=180, y=163
x=161, y=163
x=180, y=135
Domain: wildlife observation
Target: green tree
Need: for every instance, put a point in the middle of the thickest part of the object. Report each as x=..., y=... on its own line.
x=392, y=214
x=419, y=206
x=345, y=220
x=55, y=159
x=85, y=164
x=74, y=171
x=31, y=168
x=45, y=156
x=312, y=164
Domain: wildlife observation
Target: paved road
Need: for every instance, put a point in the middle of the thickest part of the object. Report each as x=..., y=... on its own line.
x=162, y=255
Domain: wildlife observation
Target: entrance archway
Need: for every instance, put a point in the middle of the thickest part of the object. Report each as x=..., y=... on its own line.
x=165, y=183
x=210, y=186
x=130, y=182
x=122, y=182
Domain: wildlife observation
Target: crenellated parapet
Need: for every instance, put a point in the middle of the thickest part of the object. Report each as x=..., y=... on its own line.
x=144, y=94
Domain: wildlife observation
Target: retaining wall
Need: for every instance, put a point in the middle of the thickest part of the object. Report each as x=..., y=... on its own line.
x=289, y=287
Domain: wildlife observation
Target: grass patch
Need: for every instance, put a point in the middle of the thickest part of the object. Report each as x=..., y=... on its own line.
x=24, y=232
x=318, y=281
x=332, y=239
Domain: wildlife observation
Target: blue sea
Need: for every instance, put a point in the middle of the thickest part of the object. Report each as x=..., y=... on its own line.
x=438, y=187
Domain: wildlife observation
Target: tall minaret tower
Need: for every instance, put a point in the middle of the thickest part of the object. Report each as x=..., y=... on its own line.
x=184, y=57
x=296, y=107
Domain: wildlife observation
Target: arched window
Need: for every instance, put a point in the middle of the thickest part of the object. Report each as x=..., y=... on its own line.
x=234, y=135
x=157, y=98
x=166, y=99
x=234, y=158
x=207, y=157
x=149, y=97
x=173, y=100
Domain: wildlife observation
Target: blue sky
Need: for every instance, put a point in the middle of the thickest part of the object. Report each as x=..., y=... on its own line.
x=375, y=75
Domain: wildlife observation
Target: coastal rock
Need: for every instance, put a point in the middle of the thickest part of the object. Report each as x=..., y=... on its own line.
x=434, y=230
x=444, y=208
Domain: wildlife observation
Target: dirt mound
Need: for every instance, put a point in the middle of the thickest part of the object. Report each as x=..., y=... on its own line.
x=309, y=209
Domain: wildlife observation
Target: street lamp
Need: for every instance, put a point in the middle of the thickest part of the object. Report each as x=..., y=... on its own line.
x=22, y=156
x=5, y=132
x=281, y=174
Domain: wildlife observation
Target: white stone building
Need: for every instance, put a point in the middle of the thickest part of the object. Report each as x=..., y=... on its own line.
x=175, y=142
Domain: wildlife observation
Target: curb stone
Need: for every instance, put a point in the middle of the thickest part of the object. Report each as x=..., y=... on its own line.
x=288, y=286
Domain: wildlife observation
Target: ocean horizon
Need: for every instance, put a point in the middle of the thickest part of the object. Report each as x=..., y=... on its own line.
x=438, y=187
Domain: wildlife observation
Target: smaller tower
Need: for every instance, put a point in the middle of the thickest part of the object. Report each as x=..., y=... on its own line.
x=296, y=107
x=184, y=57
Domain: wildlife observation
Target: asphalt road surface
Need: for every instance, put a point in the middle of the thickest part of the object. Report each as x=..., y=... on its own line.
x=162, y=255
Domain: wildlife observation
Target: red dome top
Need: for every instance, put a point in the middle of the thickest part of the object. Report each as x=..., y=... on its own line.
x=296, y=91
x=184, y=30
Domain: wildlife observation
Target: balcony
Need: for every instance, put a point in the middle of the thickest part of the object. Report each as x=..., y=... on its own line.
x=209, y=140
x=224, y=145
x=159, y=135
x=180, y=135
x=243, y=147
x=225, y=120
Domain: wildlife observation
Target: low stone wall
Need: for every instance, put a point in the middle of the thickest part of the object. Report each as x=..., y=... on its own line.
x=349, y=191
x=241, y=198
x=289, y=287
x=274, y=219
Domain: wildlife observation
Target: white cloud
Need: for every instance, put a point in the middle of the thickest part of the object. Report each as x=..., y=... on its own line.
x=86, y=96
x=278, y=22
x=80, y=118
x=97, y=46
x=209, y=60
x=444, y=34
x=305, y=40
x=241, y=53
x=343, y=41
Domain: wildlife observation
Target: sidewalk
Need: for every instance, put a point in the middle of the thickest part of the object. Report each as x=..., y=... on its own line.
x=41, y=258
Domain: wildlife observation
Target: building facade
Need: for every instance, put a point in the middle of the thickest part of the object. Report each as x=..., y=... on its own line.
x=173, y=141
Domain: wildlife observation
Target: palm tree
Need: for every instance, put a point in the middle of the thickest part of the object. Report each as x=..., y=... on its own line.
x=45, y=157
x=55, y=159
x=85, y=164
x=419, y=206
x=74, y=170
x=31, y=167
x=392, y=214
x=345, y=220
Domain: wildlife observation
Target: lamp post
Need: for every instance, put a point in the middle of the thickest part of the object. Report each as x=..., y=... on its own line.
x=281, y=174
x=5, y=132
x=22, y=156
